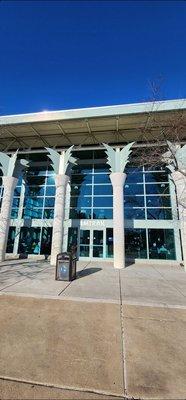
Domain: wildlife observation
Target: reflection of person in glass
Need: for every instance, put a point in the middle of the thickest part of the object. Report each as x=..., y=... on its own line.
x=36, y=247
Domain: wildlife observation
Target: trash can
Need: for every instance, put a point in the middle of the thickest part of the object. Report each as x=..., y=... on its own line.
x=65, y=267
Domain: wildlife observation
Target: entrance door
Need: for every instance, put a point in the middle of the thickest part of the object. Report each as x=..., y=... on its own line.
x=91, y=243
x=84, y=247
x=97, y=250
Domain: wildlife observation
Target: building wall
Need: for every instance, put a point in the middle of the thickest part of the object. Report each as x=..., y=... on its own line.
x=151, y=217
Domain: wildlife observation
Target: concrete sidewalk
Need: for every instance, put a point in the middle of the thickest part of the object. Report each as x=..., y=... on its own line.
x=137, y=284
x=113, y=333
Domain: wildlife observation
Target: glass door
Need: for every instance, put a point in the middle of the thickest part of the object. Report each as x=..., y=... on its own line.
x=84, y=248
x=98, y=243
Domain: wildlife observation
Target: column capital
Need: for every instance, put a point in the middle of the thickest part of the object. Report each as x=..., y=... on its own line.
x=118, y=178
x=61, y=180
x=178, y=176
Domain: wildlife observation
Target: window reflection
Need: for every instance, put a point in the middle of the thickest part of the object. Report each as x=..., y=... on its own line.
x=11, y=239
x=29, y=241
x=159, y=188
x=106, y=213
x=109, y=242
x=134, y=201
x=159, y=213
x=135, y=243
x=80, y=213
x=156, y=177
x=134, y=213
x=130, y=189
x=102, y=190
x=106, y=201
x=158, y=201
x=161, y=244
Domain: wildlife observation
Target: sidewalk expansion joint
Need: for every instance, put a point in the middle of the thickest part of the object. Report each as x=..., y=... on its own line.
x=63, y=387
x=123, y=341
x=63, y=290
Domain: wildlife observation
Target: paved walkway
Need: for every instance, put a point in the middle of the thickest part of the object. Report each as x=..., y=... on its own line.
x=114, y=333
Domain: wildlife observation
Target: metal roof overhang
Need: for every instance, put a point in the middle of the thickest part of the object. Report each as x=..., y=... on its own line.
x=88, y=126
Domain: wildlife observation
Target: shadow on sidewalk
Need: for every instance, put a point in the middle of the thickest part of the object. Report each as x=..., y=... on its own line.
x=86, y=272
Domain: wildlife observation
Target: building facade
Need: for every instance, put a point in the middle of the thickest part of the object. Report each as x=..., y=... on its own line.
x=151, y=217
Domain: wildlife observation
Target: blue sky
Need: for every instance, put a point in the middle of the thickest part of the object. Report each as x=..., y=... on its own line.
x=71, y=54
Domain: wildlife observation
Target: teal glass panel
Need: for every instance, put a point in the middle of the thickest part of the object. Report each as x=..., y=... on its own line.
x=85, y=236
x=135, y=243
x=99, y=213
x=159, y=213
x=51, y=180
x=72, y=238
x=14, y=213
x=31, y=202
x=48, y=213
x=80, y=213
x=46, y=241
x=103, y=190
x=32, y=191
x=50, y=191
x=101, y=178
x=134, y=213
x=82, y=169
x=158, y=201
x=98, y=251
x=103, y=201
x=49, y=201
x=134, y=201
x=17, y=191
x=109, y=242
x=81, y=190
x=161, y=244
x=130, y=189
x=156, y=177
x=161, y=188
x=15, y=202
x=29, y=240
x=84, y=251
x=101, y=168
x=35, y=213
x=80, y=201
x=11, y=239
x=97, y=237
x=79, y=179
x=134, y=178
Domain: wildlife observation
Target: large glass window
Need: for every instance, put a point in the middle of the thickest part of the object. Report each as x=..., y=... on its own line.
x=72, y=238
x=135, y=243
x=84, y=250
x=98, y=244
x=39, y=192
x=11, y=239
x=109, y=242
x=161, y=244
x=46, y=240
x=29, y=241
x=91, y=189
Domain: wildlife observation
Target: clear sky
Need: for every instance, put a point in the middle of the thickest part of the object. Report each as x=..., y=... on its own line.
x=71, y=54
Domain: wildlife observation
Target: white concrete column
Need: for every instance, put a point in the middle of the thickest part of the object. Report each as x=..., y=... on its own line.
x=9, y=183
x=59, y=215
x=180, y=183
x=118, y=180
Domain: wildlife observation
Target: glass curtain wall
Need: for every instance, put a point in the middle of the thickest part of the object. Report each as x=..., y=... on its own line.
x=146, y=198
x=91, y=189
